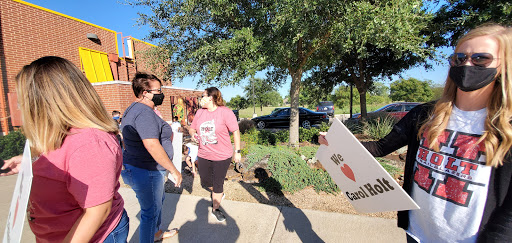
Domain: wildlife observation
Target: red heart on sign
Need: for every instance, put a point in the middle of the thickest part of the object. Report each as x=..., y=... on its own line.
x=348, y=172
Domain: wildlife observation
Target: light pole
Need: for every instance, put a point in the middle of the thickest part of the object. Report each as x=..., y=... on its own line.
x=253, y=104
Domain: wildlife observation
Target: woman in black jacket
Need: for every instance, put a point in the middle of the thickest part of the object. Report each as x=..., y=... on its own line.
x=458, y=167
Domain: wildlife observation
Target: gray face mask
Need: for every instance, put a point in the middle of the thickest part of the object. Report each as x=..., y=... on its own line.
x=471, y=78
x=158, y=99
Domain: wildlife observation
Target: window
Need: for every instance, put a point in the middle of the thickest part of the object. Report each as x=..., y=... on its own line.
x=96, y=66
x=284, y=112
x=409, y=107
x=394, y=108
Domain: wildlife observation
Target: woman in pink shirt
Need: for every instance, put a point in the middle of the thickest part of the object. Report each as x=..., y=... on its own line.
x=212, y=125
x=74, y=195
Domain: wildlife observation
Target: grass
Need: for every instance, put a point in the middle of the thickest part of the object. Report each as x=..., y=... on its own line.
x=247, y=113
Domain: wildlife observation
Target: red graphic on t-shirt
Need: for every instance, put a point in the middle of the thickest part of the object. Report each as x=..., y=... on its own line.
x=459, y=165
x=423, y=178
x=348, y=172
x=466, y=146
x=454, y=190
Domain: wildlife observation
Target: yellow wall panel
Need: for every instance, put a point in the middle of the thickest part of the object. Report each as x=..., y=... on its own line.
x=96, y=66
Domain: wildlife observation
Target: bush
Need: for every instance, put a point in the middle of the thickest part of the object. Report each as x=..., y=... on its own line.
x=378, y=127
x=246, y=125
x=12, y=144
x=289, y=171
x=324, y=127
x=309, y=135
x=354, y=126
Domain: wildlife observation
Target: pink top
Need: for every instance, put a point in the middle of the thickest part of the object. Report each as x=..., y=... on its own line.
x=213, y=128
x=82, y=173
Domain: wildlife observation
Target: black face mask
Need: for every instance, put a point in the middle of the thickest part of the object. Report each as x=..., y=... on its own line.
x=158, y=99
x=471, y=78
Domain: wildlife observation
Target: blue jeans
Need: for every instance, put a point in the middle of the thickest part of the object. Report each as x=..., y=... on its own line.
x=149, y=189
x=120, y=233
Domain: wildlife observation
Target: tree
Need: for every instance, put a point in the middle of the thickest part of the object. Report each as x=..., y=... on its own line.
x=456, y=17
x=311, y=95
x=227, y=41
x=383, y=38
x=238, y=103
x=411, y=90
x=272, y=98
x=261, y=88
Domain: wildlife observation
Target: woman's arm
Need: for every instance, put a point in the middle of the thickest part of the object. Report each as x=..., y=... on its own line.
x=236, y=137
x=160, y=156
x=193, y=134
x=86, y=225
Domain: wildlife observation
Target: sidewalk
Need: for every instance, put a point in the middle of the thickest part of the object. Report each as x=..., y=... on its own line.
x=245, y=222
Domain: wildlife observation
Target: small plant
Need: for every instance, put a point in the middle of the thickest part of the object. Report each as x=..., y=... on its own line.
x=354, y=126
x=289, y=171
x=246, y=125
x=379, y=126
x=309, y=135
x=324, y=127
x=391, y=169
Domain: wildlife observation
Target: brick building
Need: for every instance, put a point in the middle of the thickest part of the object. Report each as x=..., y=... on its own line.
x=28, y=32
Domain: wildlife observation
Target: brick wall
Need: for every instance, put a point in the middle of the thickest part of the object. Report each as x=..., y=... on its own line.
x=28, y=33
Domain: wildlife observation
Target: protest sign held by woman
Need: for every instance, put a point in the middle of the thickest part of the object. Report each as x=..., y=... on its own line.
x=459, y=166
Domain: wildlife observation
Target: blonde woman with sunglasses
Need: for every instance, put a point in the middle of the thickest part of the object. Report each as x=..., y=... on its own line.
x=74, y=195
x=458, y=167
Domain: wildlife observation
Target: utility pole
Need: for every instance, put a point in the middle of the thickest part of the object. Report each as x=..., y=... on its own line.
x=351, y=85
x=253, y=104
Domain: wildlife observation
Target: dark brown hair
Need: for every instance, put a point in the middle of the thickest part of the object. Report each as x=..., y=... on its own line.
x=216, y=96
x=141, y=82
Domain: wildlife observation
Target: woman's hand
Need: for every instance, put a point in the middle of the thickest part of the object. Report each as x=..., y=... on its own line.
x=177, y=177
x=322, y=139
x=11, y=166
x=238, y=157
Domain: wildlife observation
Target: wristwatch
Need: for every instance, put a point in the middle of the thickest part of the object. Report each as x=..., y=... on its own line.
x=238, y=151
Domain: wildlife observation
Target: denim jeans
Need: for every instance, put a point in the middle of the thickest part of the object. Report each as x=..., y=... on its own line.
x=120, y=233
x=149, y=189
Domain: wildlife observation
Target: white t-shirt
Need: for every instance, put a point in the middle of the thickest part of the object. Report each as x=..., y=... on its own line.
x=174, y=126
x=450, y=186
x=192, y=151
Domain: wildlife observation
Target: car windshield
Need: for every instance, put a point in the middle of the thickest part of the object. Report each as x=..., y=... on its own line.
x=326, y=103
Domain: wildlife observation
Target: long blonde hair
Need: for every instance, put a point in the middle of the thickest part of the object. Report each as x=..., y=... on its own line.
x=55, y=96
x=497, y=136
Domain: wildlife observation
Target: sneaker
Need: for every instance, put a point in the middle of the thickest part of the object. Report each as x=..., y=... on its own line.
x=219, y=215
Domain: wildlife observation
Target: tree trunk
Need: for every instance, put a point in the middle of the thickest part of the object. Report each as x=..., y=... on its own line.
x=294, y=107
x=362, y=100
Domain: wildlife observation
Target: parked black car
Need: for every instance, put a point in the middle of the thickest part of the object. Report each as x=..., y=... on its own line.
x=326, y=106
x=281, y=118
x=236, y=114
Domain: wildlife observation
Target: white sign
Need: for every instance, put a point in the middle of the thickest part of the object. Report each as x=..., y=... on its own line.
x=368, y=187
x=177, y=144
x=18, y=210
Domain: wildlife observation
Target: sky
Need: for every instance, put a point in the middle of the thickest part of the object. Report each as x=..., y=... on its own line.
x=118, y=16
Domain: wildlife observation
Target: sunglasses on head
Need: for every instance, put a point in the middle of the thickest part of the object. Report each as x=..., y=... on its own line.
x=478, y=59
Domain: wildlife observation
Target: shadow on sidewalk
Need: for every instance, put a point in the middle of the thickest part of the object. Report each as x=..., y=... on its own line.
x=200, y=230
x=294, y=220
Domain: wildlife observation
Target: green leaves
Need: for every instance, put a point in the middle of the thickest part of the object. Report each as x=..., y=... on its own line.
x=411, y=90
